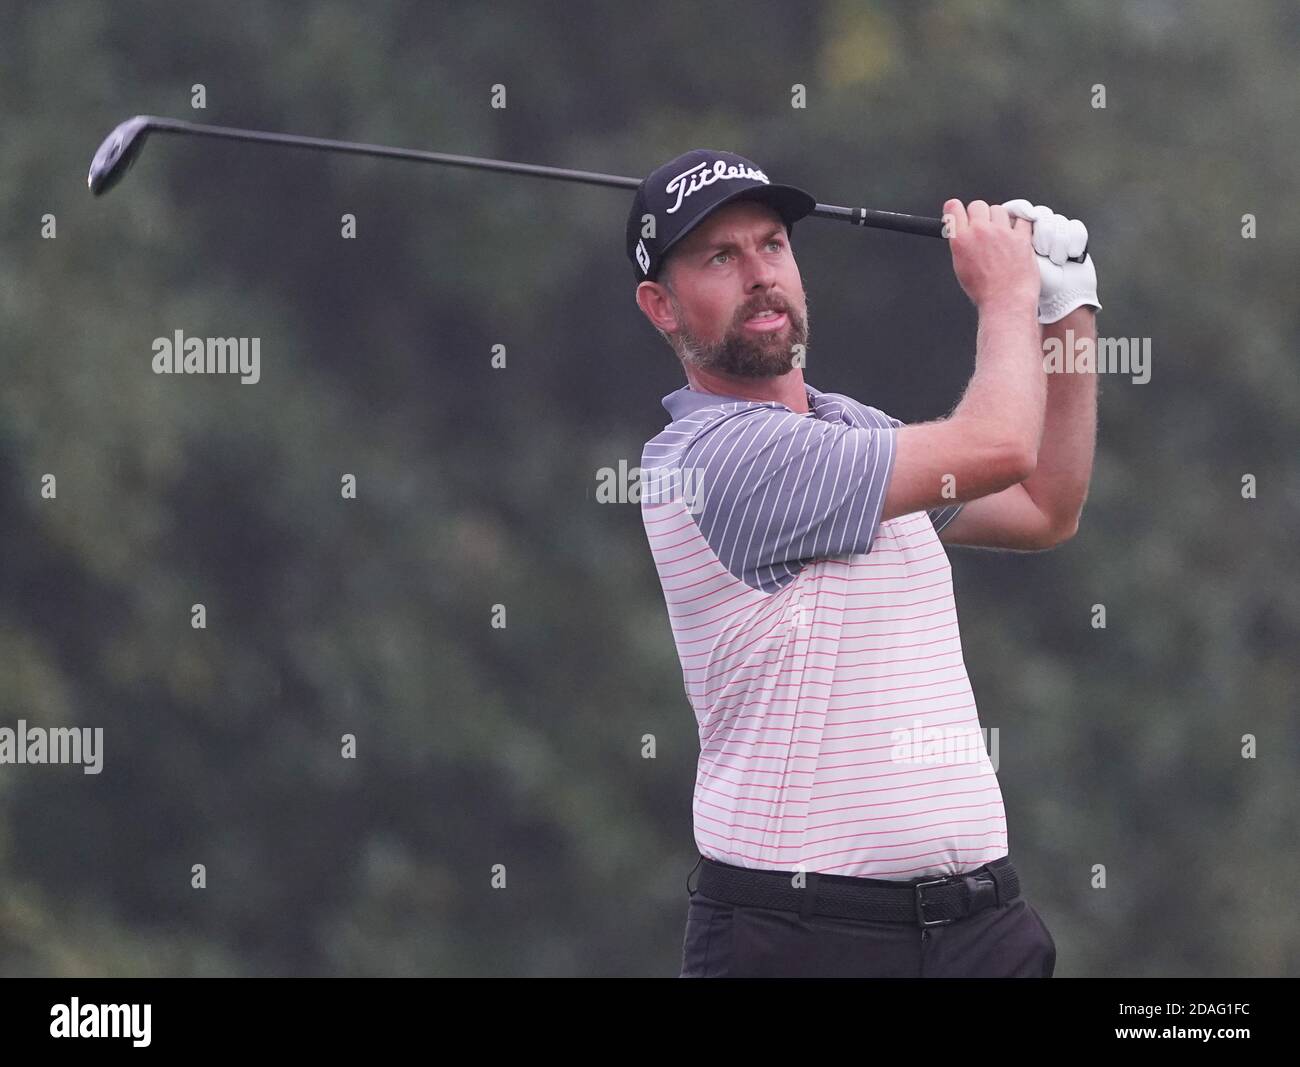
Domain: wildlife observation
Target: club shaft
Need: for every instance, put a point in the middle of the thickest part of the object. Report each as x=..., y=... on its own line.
x=858, y=216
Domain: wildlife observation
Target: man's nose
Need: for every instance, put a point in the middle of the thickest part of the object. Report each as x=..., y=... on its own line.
x=760, y=273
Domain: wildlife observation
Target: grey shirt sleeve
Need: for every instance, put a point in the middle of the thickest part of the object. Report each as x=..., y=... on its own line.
x=776, y=489
x=940, y=517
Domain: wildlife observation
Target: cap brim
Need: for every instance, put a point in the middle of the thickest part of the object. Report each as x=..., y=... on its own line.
x=788, y=201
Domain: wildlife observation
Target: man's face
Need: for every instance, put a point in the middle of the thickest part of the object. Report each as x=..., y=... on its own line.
x=734, y=265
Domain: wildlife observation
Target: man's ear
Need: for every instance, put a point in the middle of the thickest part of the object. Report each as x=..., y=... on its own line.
x=653, y=300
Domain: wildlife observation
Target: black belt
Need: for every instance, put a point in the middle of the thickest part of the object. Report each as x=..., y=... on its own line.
x=924, y=901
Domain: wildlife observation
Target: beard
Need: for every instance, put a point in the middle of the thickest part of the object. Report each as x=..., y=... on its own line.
x=741, y=353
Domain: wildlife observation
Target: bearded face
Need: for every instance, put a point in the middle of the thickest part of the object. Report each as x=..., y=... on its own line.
x=759, y=342
x=734, y=293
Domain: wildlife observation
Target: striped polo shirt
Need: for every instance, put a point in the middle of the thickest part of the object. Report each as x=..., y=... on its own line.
x=819, y=645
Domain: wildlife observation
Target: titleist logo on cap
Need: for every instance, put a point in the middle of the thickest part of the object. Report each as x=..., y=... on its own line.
x=721, y=171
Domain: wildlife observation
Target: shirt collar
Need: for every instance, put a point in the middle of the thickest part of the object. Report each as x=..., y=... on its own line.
x=686, y=400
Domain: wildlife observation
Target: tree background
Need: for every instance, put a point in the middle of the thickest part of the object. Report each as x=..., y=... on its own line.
x=522, y=746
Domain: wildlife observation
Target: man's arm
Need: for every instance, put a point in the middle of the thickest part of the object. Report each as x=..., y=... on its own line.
x=990, y=441
x=1045, y=508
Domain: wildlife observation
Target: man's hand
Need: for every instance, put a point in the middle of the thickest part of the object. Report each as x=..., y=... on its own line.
x=992, y=255
x=1066, y=285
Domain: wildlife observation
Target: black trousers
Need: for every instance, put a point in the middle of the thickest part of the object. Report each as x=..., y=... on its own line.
x=734, y=941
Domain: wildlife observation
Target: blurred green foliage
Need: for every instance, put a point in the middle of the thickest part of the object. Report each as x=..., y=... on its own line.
x=522, y=746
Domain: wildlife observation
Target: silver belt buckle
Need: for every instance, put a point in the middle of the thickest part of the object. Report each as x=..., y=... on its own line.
x=920, y=903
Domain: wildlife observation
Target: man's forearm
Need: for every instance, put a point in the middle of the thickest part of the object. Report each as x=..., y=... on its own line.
x=1006, y=396
x=1059, y=484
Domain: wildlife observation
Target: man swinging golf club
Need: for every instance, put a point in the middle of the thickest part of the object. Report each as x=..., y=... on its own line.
x=798, y=536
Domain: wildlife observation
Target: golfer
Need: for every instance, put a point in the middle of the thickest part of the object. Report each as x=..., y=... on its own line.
x=847, y=815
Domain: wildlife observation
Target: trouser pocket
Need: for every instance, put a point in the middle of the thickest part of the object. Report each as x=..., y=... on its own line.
x=707, y=947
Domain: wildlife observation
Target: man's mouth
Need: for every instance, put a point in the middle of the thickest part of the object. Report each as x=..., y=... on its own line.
x=766, y=321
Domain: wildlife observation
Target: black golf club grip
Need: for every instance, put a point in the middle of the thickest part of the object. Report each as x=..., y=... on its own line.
x=891, y=220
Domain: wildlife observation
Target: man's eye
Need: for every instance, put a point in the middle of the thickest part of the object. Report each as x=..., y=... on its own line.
x=777, y=241
x=721, y=254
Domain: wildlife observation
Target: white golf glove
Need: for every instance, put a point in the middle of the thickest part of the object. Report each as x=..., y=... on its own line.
x=1066, y=285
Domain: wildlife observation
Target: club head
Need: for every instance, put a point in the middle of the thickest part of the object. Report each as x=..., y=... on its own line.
x=117, y=153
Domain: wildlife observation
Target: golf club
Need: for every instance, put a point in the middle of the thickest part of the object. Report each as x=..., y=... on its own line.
x=123, y=145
